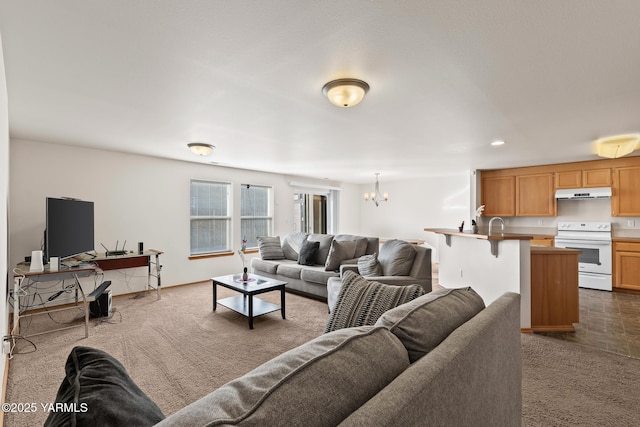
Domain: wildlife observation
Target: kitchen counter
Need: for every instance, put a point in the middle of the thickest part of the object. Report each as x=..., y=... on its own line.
x=493, y=238
x=626, y=235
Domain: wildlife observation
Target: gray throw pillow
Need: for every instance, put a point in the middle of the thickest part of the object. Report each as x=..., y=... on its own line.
x=270, y=248
x=368, y=265
x=396, y=257
x=325, y=244
x=361, y=302
x=95, y=380
x=422, y=324
x=308, y=253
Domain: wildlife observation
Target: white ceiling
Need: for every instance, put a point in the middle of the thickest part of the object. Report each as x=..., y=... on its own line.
x=446, y=77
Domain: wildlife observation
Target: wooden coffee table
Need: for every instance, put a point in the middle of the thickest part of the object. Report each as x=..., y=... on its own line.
x=247, y=304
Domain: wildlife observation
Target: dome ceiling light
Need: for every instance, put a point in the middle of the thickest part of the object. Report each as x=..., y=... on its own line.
x=200, y=148
x=613, y=147
x=345, y=92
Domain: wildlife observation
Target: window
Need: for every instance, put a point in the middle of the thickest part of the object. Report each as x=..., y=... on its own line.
x=210, y=217
x=256, y=218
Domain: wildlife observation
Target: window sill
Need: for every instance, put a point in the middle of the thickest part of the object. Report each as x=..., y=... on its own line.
x=215, y=255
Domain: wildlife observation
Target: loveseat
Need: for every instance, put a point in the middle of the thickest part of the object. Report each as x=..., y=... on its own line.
x=311, y=278
x=441, y=359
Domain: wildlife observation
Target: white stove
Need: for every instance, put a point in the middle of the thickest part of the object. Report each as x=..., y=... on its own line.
x=594, y=262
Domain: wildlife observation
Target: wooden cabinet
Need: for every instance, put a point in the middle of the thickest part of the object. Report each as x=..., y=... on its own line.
x=554, y=289
x=626, y=265
x=535, y=195
x=625, y=198
x=499, y=195
x=585, y=178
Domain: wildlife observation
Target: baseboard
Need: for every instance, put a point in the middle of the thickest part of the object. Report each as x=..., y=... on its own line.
x=526, y=330
x=4, y=386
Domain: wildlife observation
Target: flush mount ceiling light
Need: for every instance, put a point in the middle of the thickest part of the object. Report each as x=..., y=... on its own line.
x=497, y=142
x=375, y=196
x=200, y=148
x=345, y=92
x=613, y=147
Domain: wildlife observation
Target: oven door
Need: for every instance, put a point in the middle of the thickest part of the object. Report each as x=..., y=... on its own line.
x=595, y=256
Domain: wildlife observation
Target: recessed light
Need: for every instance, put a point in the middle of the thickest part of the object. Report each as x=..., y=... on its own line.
x=497, y=142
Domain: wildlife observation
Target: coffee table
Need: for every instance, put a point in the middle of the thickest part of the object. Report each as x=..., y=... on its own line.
x=247, y=304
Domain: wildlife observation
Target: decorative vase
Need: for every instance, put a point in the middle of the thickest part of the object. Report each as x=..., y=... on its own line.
x=245, y=275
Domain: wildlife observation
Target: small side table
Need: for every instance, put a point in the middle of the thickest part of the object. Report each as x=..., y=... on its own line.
x=247, y=304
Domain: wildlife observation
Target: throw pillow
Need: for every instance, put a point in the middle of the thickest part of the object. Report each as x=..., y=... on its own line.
x=325, y=244
x=361, y=302
x=368, y=265
x=101, y=392
x=339, y=251
x=308, y=253
x=270, y=248
x=422, y=324
x=317, y=384
x=361, y=245
x=396, y=258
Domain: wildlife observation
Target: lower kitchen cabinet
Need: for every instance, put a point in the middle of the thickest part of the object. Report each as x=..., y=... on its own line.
x=554, y=289
x=626, y=265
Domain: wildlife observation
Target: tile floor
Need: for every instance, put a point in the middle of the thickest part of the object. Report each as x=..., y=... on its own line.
x=608, y=320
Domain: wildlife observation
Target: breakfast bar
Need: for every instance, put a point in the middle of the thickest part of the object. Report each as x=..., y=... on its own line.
x=491, y=269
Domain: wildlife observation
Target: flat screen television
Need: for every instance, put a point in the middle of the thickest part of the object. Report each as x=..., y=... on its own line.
x=69, y=229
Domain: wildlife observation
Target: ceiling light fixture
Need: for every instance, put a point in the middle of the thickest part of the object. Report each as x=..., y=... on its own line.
x=497, y=142
x=200, y=148
x=613, y=147
x=345, y=92
x=375, y=196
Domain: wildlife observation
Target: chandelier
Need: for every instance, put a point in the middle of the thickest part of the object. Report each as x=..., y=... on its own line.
x=376, y=196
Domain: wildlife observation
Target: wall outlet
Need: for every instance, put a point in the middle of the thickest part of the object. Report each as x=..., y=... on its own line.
x=6, y=345
x=460, y=272
x=631, y=223
x=540, y=222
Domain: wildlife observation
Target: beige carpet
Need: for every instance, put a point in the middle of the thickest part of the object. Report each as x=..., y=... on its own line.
x=178, y=350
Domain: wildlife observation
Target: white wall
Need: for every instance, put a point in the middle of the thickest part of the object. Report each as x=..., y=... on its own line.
x=434, y=202
x=4, y=200
x=137, y=199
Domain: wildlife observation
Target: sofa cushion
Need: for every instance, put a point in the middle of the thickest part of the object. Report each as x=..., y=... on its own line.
x=270, y=247
x=325, y=244
x=317, y=274
x=259, y=265
x=362, y=302
x=361, y=243
x=422, y=324
x=396, y=258
x=102, y=393
x=339, y=252
x=368, y=265
x=292, y=243
x=319, y=383
x=308, y=253
x=290, y=269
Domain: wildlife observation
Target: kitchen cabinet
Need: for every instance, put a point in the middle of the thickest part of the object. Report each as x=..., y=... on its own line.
x=499, y=195
x=626, y=265
x=625, y=197
x=535, y=195
x=585, y=178
x=554, y=289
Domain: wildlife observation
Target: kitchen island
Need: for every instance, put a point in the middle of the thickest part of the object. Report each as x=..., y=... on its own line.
x=545, y=277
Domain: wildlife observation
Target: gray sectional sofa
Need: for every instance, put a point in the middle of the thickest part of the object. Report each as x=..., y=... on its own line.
x=441, y=359
x=310, y=280
x=400, y=263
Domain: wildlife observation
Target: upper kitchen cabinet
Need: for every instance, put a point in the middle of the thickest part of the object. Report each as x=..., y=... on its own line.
x=535, y=195
x=625, y=198
x=498, y=195
x=584, y=178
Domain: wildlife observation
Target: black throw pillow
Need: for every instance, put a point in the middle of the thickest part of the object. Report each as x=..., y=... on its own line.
x=97, y=391
x=308, y=252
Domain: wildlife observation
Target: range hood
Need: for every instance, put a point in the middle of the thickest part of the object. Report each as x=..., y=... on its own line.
x=583, y=193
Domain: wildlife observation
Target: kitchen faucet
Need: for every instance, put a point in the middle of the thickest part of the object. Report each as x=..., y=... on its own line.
x=491, y=222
